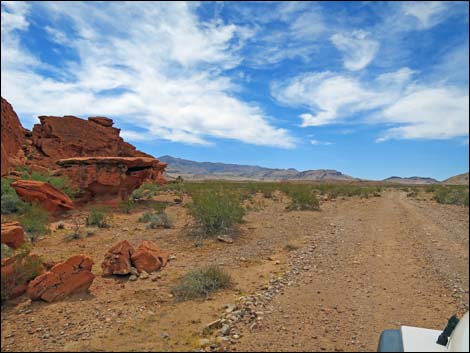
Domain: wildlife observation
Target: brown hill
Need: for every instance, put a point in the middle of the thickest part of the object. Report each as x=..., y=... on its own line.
x=461, y=179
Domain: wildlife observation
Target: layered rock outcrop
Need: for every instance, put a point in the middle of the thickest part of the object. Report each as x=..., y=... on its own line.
x=13, y=137
x=44, y=193
x=68, y=137
x=110, y=179
x=84, y=144
x=71, y=276
x=12, y=234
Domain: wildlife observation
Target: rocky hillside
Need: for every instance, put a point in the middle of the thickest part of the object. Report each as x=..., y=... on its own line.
x=461, y=179
x=208, y=170
x=410, y=180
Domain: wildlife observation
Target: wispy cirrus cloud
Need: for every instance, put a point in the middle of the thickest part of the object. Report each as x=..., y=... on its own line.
x=358, y=48
x=163, y=71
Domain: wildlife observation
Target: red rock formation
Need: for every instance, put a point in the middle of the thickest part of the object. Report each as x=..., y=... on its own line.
x=71, y=276
x=13, y=137
x=110, y=179
x=117, y=260
x=16, y=272
x=68, y=137
x=148, y=257
x=44, y=193
x=12, y=234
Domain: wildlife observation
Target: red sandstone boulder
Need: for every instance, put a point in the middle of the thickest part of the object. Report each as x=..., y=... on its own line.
x=106, y=122
x=12, y=139
x=44, y=193
x=110, y=178
x=17, y=271
x=71, y=276
x=149, y=257
x=117, y=260
x=12, y=234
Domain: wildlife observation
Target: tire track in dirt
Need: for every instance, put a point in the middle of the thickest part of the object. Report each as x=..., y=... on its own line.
x=372, y=274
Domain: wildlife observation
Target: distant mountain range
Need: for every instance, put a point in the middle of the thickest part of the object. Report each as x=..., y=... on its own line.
x=208, y=170
x=410, y=180
x=192, y=170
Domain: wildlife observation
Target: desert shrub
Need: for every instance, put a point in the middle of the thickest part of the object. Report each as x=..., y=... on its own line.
x=412, y=193
x=291, y=247
x=302, y=197
x=98, y=217
x=145, y=217
x=6, y=251
x=35, y=221
x=25, y=268
x=145, y=191
x=201, y=282
x=126, y=206
x=432, y=188
x=159, y=220
x=159, y=207
x=216, y=210
x=452, y=196
x=10, y=202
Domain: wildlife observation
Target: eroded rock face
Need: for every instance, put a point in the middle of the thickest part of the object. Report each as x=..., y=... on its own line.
x=71, y=276
x=110, y=179
x=44, y=193
x=149, y=257
x=117, y=260
x=68, y=137
x=12, y=139
x=12, y=234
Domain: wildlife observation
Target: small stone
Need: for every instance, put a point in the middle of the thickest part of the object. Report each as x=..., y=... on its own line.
x=133, y=278
x=144, y=275
x=225, y=330
x=172, y=257
x=164, y=335
x=133, y=271
x=225, y=239
x=203, y=342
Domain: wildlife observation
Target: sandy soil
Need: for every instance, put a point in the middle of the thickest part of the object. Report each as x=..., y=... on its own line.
x=328, y=280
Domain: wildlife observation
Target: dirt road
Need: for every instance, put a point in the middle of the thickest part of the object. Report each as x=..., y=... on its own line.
x=328, y=280
x=383, y=263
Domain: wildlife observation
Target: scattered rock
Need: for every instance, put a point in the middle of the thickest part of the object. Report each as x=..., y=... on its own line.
x=148, y=257
x=12, y=234
x=49, y=197
x=117, y=260
x=144, y=275
x=72, y=276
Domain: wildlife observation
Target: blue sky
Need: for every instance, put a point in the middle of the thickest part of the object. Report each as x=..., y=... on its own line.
x=372, y=89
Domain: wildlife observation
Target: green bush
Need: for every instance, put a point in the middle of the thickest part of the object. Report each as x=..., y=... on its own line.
x=25, y=268
x=159, y=220
x=10, y=202
x=35, y=221
x=452, y=196
x=145, y=191
x=126, y=206
x=6, y=251
x=302, y=197
x=98, y=217
x=201, y=282
x=216, y=210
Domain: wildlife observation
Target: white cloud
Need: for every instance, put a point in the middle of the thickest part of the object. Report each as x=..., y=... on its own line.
x=317, y=143
x=436, y=111
x=357, y=47
x=431, y=113
x=428, y=13
x=165, y=63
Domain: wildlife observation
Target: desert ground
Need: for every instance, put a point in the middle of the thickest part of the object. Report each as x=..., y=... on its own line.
x=303, y=280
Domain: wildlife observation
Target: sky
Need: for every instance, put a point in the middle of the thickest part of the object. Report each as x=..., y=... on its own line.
x=372, y=89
